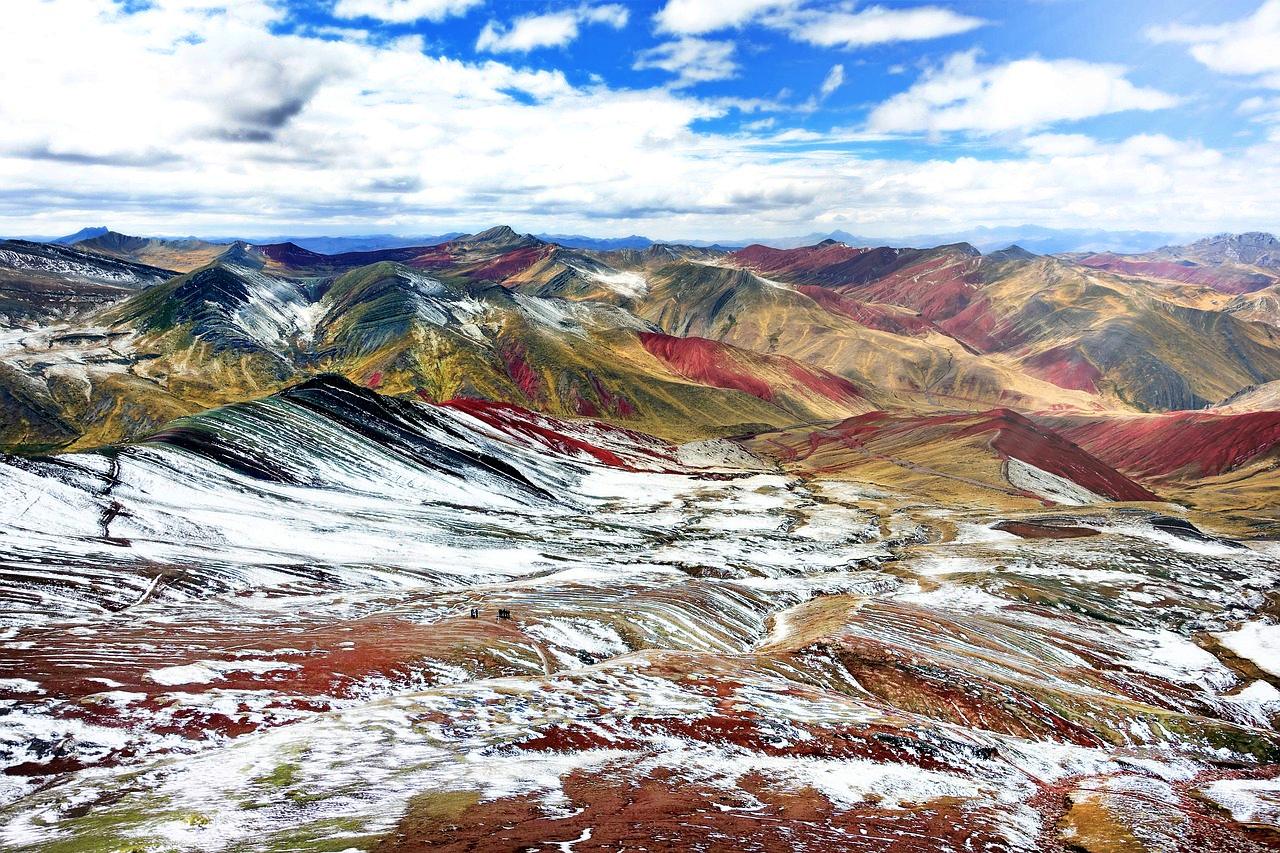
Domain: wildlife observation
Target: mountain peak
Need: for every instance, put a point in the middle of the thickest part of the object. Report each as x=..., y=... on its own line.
x=1257, y=248
x=1012, y=252
x=497, y=232
x=500, y=236
x=1244, y=238
x=290, y=254
x=110, y=240
x=83, y=234
x=961, y=247
x=241, y=252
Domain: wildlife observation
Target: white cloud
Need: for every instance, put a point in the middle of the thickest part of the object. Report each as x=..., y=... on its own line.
x=193, y=116
x=403, y=11
x=874, y=25
x=834, y=80
x=1261, y=110
x=1155, y=147
x=963, y=95
x=528, y=33
x=1059, y=144
x=1142, y=182
x=697, y=17
x=552, y=29
x=1247, y=47
x=825, y=25
x=1264, y=111
x=613, y=14
x=693, y=60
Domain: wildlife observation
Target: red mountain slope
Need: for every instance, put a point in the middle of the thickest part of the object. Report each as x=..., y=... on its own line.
x=828, y=263
x=939, y=285
x=764, y=376
x=1222, y=279
x=588, y=440
x=963, y=446
x=881, y=317
x=1177, y=444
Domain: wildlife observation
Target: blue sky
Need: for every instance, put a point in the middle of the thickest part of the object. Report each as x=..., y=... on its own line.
x=771, y=65
x=673, y=118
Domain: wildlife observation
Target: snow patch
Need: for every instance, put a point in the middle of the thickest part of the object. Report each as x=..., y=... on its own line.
x=205, y=671
x=1258, y=642
x=189, y=674
x=719, y=453
x=1029, y=478
x=19, y=685
x=1250, y=801
x=632, y=285
x=1175, y=658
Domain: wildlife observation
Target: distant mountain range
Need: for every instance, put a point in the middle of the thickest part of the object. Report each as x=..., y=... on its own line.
x=323, y=245
x=356, y=243
x=1035, y=238
x=1042, y=241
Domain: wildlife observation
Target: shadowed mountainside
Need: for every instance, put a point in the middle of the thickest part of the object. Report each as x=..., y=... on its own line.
x=40, y=282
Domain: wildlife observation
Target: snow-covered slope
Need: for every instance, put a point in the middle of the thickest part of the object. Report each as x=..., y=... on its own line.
x=324, y=614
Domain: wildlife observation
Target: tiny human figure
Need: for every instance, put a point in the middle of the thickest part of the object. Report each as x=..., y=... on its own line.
x=504, y=614
x=475, y=613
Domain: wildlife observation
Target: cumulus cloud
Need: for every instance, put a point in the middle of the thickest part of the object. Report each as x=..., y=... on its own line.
x=1138, y=182
x=1142, y=146
x=403, y=11
x=697, y=17
x=117, y=119
x=1247, y=47
x=1059, y=144
x=613, y=14
x=842, y=25
x=552, y=29
x=1261, y=110
x=874, y=25
x=528, y=33
x=253, y=83
x=693, y=60
x=834, y=80
x=963, y=95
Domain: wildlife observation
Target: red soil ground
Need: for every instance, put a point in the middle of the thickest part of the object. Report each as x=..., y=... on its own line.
x=1223, y=280
x=1177, y=444
x=723, y=366
x=1008, y=433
